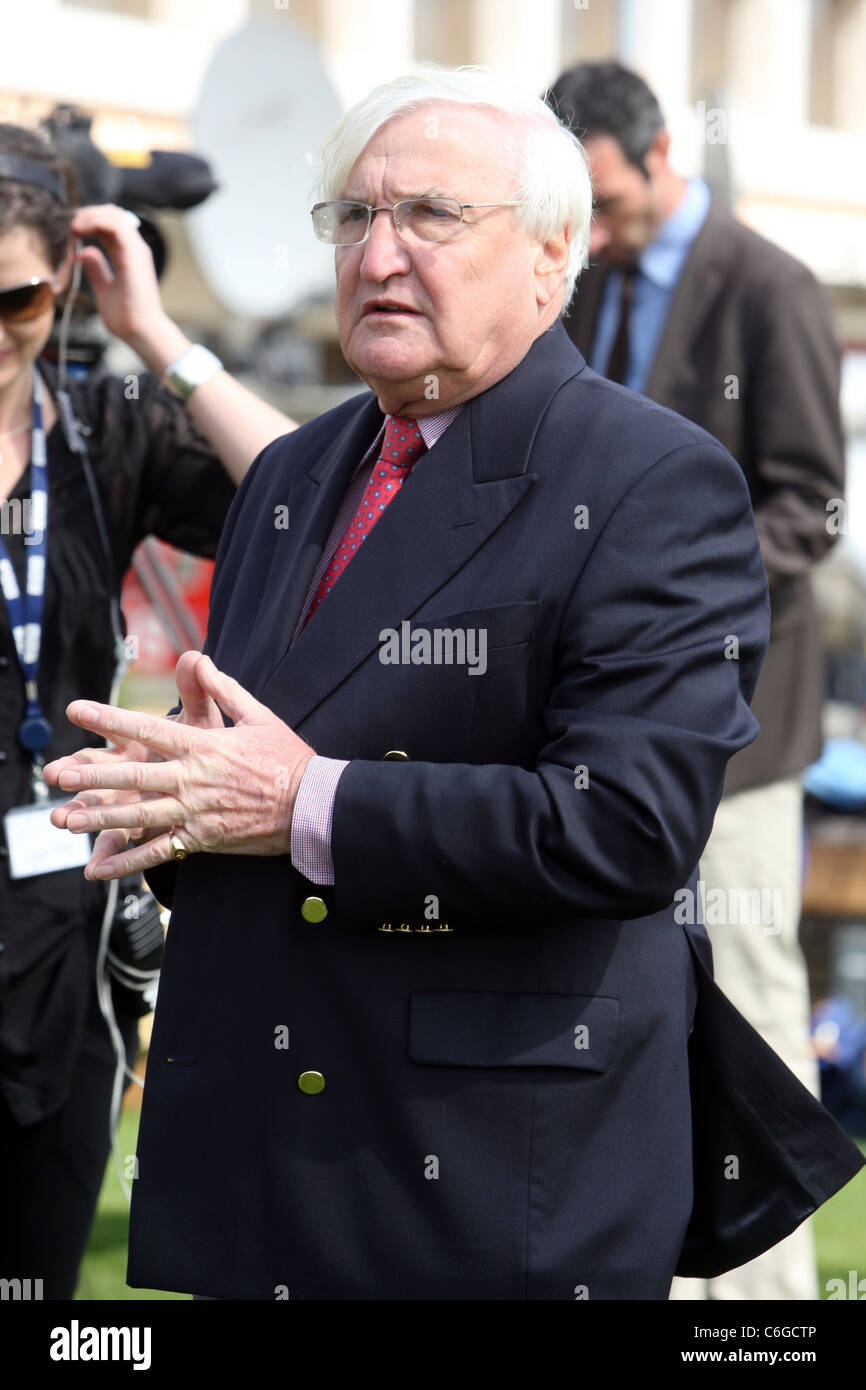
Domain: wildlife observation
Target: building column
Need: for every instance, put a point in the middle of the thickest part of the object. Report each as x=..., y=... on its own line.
x=589, y=32
x=849, y=65
x=365, y=45
x=519, y=38
x=769, y=51
x=655, y=38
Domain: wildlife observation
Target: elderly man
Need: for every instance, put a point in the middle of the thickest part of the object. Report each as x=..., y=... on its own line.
x=484, y=639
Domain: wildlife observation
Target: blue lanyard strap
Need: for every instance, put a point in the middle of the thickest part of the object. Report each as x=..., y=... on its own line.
x=25, y=610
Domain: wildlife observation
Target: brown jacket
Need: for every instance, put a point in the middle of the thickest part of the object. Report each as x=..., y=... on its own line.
x=748, y=352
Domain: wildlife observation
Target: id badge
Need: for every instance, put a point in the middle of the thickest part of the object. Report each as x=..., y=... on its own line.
x=35, y=846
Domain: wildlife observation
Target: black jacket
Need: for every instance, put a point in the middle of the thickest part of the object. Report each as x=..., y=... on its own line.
x=500, y=996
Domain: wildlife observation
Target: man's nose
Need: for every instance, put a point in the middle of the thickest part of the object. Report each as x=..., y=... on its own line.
x=385, y=251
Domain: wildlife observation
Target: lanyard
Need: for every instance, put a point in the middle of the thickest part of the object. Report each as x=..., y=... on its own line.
x=25, y=610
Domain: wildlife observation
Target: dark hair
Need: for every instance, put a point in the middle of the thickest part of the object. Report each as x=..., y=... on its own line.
x=30, y=205
x=606, y=97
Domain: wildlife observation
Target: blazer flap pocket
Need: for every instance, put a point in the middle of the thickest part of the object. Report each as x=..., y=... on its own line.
x=507, y=625
x=463, y=1028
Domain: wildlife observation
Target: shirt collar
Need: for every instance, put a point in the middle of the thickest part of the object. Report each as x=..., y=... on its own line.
x=432, y=427
x=663, y=259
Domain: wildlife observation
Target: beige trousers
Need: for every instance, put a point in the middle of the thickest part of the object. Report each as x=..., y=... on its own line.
x=756, y=846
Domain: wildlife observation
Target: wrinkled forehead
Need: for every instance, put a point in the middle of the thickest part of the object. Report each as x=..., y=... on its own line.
x=440, y=147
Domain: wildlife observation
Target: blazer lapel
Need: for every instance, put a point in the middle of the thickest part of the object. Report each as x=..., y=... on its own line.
x=313, y=501
x=457, y=495
x=695, y=293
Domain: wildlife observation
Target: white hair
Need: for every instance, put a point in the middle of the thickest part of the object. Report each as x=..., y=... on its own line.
x=545, y=159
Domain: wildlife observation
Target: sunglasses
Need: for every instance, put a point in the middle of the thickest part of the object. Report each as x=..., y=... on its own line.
x=27, y=301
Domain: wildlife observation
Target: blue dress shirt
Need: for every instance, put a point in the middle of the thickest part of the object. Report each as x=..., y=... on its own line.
x=658, y=269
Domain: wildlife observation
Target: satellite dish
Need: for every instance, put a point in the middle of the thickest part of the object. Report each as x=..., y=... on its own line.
x=264, y=108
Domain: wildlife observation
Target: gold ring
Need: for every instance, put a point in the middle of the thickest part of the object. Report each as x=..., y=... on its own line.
x=178, y=848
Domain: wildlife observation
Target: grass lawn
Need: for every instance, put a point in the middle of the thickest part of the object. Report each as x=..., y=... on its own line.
x=103, y=1273
x=840, y=1234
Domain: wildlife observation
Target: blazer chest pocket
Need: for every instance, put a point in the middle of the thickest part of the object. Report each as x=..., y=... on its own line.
x=507, y=625
x=464, y=1028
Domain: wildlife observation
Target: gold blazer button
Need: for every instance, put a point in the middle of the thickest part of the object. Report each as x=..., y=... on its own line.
x=311, y=1082
x=396, y=755
x=314, y=909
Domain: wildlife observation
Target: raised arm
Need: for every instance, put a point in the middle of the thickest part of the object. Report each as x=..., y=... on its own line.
x=234, y=420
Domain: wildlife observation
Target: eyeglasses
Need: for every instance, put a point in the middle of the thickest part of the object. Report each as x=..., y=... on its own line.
x=26, y=301
x=347, y=223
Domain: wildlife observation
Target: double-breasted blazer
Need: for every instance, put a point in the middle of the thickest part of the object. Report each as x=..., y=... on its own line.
x=467, y=1074
x=748, y=351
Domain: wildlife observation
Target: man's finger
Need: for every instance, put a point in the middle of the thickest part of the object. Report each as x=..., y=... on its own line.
x=162, y=735
x=198, y=705
x=85, y=800
x=111, y=842
x=129, y=777
x=51, y=771
x=105, y=846
x=161, y=813
x=107, y=862
x=230, y=695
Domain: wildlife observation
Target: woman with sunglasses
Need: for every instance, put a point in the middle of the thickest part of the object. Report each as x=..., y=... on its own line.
x=165, y=462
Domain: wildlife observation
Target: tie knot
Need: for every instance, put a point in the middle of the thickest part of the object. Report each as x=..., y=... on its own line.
x=403, y=441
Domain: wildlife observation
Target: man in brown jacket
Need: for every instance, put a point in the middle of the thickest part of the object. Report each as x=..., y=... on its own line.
x=689, y=306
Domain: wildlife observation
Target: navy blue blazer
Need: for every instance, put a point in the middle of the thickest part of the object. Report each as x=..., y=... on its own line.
x=471, y=1078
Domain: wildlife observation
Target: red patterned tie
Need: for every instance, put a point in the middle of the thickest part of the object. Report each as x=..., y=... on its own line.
x=403, y=444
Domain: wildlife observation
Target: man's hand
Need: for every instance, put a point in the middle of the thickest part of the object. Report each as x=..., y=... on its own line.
x=198, y=710
x=225, y=791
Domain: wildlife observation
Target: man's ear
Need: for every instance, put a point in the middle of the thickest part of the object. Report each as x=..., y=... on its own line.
x=551, y=264
x=656, y=158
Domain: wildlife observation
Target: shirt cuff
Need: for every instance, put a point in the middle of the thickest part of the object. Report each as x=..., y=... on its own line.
x=313, y=817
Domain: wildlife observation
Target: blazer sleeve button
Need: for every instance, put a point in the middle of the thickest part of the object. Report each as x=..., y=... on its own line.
x=396, y=755
x=314, y=909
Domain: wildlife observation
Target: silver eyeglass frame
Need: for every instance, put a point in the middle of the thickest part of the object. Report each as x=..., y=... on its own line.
x=392, y=208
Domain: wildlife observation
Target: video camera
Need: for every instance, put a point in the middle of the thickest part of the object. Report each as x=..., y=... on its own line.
x=142, y=183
